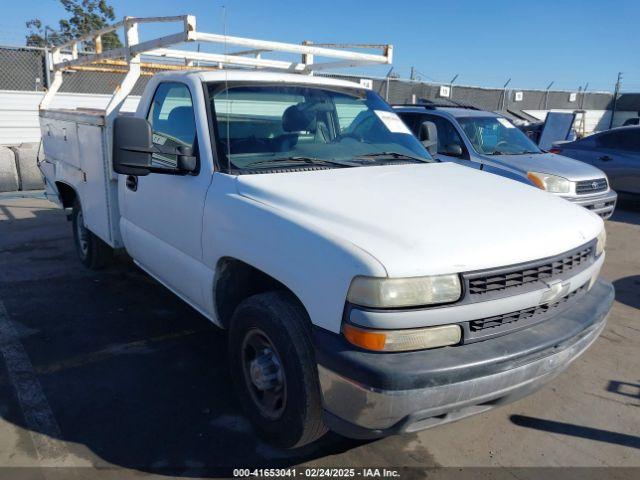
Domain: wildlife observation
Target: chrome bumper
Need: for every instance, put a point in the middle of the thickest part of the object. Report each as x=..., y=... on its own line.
x=360, y=411
x=603, y=205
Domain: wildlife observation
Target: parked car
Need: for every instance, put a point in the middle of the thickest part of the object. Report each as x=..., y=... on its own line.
x=616, y=152
x=490, y=142
x=365, y=287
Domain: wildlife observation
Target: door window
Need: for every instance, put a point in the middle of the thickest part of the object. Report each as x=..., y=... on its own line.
x=448, y=137
x=172, y=121
x=628, y=140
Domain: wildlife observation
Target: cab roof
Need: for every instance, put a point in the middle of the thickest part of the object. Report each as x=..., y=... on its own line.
x=260, y=76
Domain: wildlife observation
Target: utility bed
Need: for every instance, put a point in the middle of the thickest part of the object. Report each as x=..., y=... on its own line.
x=76, y=150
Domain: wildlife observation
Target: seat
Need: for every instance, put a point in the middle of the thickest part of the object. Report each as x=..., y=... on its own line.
x=181, y=124
x=302, y=118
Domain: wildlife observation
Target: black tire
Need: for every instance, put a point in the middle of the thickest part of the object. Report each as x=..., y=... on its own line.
x=284, y=323
x=92, y=251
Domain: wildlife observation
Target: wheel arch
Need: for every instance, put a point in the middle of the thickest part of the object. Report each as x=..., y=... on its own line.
x=66, y=193
x=235, y=280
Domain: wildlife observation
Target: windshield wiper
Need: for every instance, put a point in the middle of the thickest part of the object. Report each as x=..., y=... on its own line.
x=391, y=156
x=498, y=152
x=299, y=159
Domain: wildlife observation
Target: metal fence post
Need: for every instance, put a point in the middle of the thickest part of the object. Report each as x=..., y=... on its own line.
x=546, y=96
x=615, y=100
x=47, y=69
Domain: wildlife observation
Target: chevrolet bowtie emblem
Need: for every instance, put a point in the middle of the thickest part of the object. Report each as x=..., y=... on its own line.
x=555, y=291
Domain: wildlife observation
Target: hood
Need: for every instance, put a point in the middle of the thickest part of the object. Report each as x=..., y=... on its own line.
x=428, y=219
x=569, y=168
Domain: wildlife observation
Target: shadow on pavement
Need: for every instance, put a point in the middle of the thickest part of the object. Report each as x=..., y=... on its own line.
x=627, y=210
x=130, y=371
x=625, y=389
x=576, y=431
x=628, y=290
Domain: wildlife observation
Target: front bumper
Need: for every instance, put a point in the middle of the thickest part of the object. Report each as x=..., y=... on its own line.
x=603, y=204
x=369, y=395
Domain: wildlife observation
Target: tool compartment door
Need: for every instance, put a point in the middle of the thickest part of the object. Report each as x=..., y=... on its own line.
x=96, y=193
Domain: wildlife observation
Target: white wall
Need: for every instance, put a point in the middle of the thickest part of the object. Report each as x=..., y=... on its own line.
x=19, y=112
x=596, y=120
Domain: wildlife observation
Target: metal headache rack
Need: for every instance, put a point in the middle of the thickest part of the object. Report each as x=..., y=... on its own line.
x=137, y=58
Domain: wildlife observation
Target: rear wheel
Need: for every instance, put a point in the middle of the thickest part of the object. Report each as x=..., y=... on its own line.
x=93, y=252
x=274, y=370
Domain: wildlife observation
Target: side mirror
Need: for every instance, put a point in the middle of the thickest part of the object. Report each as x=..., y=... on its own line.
x=428, y=135
x=133, y=150
x=132, y=146
x=453, y=150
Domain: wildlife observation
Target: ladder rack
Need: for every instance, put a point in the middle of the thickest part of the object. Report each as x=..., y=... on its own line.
x=128, y=59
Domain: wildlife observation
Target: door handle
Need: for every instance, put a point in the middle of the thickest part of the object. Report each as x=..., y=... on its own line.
x=132, y=183
x=605, y=158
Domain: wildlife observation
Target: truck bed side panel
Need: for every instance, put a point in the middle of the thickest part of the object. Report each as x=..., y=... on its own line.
x=76, y=153
x=95, y=195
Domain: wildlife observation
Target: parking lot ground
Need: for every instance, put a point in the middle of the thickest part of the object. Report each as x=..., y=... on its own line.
x=110, y=371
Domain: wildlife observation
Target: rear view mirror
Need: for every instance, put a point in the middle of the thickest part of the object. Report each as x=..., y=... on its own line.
x=428, y=135
x=132, y=146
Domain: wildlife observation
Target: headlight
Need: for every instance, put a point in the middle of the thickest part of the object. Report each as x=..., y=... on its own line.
x=402, y=340
x=601, y=242
x=404, y=292
x=550, y=183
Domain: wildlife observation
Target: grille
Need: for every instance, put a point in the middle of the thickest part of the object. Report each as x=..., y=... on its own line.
x=591, y=186
x=533, y=313
x=550, y=269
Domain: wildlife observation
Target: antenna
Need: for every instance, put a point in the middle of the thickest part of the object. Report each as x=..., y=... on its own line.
x=226, y=89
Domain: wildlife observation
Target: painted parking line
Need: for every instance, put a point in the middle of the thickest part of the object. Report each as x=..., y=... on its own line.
x=38, y=417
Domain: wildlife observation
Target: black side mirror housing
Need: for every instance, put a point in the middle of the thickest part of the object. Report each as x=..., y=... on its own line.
x=187, y=162
x=453, y=150
x=133, y=150
x=132, y=146
x=428, y=135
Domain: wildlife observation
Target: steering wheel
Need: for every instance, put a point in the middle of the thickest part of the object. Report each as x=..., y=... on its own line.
x=502, y=143
x=253, y=142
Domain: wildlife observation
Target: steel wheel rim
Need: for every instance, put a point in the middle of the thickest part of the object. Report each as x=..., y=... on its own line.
x=83, y=234
x=263, y=374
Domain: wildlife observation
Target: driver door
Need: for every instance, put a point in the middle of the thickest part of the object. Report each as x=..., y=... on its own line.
x=161, y=214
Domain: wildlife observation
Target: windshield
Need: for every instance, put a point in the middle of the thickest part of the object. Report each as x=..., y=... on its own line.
x=261, y=126
x=496, y=136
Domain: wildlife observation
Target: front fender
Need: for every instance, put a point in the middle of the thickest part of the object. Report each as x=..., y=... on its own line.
x=314, y=264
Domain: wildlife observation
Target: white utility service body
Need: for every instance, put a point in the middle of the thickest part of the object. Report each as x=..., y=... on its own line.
x=334, y=241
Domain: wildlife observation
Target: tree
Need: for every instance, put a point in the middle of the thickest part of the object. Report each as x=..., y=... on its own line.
x=84, y=17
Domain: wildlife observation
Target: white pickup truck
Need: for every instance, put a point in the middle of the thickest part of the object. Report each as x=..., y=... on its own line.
x=365, y=287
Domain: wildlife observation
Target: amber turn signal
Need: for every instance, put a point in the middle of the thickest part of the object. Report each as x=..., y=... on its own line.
x=402, y=340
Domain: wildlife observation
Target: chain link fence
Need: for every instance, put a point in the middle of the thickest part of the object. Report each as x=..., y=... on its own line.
x=104, y=83
x=25, y=69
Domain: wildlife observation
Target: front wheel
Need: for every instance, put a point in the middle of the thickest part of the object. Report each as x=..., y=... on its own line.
x=274, y=371
x=93, y=252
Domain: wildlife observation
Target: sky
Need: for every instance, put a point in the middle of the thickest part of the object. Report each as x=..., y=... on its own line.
x=484, y=42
